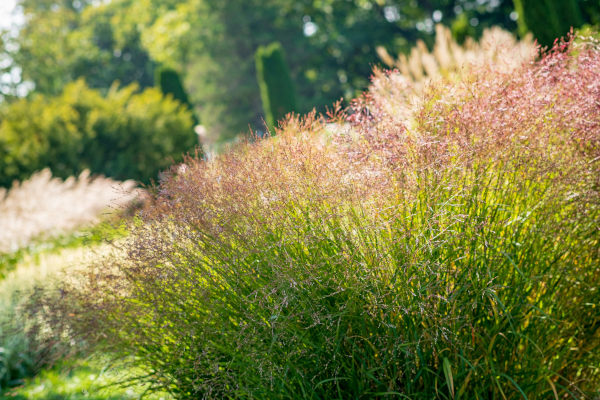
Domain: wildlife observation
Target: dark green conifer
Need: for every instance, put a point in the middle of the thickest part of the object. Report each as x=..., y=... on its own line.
x=167, y=79
x=548, y=19
x=276, y=86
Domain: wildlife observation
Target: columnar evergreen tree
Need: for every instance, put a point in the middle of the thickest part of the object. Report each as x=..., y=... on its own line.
x=169, y=82
x=276, y=87
x=548, y=19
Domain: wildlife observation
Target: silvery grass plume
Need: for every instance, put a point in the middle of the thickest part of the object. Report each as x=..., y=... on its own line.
x=47, y=206
x=449, y=59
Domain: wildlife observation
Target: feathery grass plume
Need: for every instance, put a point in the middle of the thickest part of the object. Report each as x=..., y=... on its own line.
x=47, y=206
x=497, y=49
x=450, y=60
x=453, y=257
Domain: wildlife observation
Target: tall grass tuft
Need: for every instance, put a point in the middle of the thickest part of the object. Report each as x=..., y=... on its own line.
x=449, y=253
x=449, y=60
x=47, y=206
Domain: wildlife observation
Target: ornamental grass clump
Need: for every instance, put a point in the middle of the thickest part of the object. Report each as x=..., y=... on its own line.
x=453, y=253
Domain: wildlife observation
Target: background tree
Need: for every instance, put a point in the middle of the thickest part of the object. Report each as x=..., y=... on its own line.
x=591, y=11
x=62, y=41
x=330, y=47
x=169, y=82
x=220, y=69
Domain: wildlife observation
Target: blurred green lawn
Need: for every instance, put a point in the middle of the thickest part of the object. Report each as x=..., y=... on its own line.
x=89, y=379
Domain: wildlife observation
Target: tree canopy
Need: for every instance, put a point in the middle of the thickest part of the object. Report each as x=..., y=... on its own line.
x=330, y=45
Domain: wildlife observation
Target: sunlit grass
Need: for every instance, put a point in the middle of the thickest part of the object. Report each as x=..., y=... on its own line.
x=96, y=379
x=40, y=250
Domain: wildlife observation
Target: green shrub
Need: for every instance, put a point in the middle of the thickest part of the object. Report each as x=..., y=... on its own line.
x=276, y=86
x=125, y=134
x=449, y=252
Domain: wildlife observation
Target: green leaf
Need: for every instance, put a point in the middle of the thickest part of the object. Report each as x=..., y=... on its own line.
x=448, y=374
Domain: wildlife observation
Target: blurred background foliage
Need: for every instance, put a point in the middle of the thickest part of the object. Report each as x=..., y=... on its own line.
x=330, y=47
x=123, y=134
